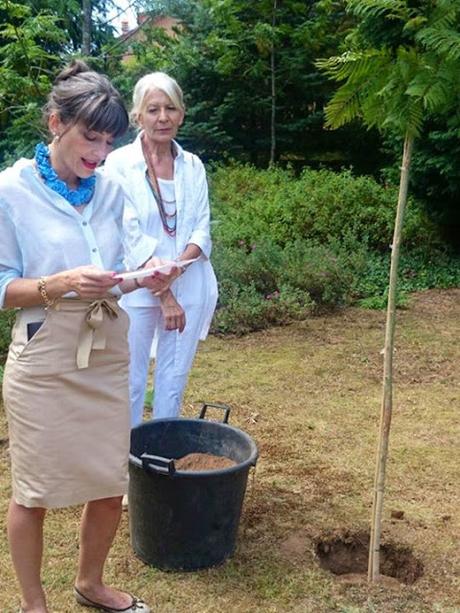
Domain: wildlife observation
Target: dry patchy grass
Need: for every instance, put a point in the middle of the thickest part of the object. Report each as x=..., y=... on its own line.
x=309, y=395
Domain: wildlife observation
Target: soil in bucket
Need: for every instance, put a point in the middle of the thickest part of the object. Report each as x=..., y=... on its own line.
x=203, y=461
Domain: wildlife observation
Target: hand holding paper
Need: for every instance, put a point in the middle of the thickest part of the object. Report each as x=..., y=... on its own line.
x=165, y=268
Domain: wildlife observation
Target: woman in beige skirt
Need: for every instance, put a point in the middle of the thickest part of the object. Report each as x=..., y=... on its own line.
x=65, y=388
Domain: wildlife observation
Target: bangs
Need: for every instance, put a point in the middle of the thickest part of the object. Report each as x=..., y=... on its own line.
x=105, y=114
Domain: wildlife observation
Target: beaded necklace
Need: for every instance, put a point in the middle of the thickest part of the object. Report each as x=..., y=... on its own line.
x=76, y=197
x=168, y=220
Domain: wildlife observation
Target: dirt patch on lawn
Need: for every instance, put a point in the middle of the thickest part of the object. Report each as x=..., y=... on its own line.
x=436, y=302
x=348, y=555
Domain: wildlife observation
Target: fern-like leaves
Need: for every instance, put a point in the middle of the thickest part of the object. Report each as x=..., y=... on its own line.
x=394, y=88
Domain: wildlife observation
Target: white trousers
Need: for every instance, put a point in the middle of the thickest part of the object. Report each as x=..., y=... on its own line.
x=174, y=357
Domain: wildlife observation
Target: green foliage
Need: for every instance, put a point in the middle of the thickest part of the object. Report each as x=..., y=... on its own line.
x=222, y=59
x=25, y=65
x=249, y=205
x=287, y=247
x=439, y=34
x=36, y=38
x=248, y=311
x=380, y=301
x=420, y=269
x=6, y=322
x=435, y=173
x=269, y=284
x=274, y=285
x=244, y=309
x=403, y=61
x=323, y=271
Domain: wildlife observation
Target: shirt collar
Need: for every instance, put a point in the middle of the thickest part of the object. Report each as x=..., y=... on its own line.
x=139, y=155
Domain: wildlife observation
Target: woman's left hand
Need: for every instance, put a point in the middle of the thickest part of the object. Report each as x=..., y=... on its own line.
x=173, y=313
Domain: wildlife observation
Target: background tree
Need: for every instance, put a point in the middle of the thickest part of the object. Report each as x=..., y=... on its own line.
x=26, y=70
x=36, y=39
x=436, y=172
x=86, y=27
x=223, y=56
x=403, y=63
x=70, y=14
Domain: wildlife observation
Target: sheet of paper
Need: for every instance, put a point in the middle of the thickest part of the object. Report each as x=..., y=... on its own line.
x=148, y=272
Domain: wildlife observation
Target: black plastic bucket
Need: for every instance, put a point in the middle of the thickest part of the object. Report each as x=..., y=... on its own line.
x=186, y=520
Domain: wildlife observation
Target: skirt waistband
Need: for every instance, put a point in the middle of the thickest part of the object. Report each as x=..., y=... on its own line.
x=66, y=304
x=92, y=334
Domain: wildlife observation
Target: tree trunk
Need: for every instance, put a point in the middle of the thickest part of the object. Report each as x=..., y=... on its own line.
x=387, y=397
x=86, y=28
x=273, y=92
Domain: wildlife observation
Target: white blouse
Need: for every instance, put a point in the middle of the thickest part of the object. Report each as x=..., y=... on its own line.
x=198, y=285
x=41, y=233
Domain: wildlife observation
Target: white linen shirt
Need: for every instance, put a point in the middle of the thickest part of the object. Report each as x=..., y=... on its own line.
x=42, y=234
x=198, y=285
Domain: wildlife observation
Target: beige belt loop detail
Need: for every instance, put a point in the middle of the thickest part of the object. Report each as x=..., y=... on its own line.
x=91, y=334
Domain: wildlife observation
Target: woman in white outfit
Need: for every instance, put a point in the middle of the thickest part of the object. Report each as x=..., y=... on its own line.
x=168, y=188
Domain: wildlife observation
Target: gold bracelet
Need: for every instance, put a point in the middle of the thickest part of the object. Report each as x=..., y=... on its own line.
x=41, y=285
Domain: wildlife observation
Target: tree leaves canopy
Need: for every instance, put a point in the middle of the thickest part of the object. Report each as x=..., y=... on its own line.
x=392, y=83
x=36, y=39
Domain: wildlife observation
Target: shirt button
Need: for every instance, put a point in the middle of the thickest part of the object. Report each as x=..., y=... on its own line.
x=85, y=223
x=94, y=250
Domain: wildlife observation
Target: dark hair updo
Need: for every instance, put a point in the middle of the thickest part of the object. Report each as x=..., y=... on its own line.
x=83, y=95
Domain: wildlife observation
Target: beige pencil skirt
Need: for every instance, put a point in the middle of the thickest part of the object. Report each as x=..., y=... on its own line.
x=66, y=397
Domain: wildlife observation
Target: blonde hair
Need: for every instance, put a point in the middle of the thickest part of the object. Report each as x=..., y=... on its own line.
x=149, y=82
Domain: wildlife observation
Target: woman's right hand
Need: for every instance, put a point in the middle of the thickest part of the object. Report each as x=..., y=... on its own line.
x=87, y=281
x=173, y=313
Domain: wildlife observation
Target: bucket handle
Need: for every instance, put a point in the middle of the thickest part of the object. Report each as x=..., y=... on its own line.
x=213, y=405
x=157, y=464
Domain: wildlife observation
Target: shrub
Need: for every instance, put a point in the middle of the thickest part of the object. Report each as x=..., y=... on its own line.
x=246, y=310
x=286, y=246
x=324, y=271
x=418, y=270
x=250, y=205
x=268, y=285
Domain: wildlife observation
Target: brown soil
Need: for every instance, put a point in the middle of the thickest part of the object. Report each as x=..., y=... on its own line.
x=348, y=556
x=361, y=579
x=203, y=461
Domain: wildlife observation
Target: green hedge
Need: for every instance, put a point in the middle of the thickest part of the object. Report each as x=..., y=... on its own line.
x=249, y=205
x=272, y=285
x=286, y=246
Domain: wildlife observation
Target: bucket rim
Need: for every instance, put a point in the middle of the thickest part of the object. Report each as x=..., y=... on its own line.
x=250, y=461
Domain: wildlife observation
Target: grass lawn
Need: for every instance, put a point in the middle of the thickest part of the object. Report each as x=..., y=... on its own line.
x=309, y=395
